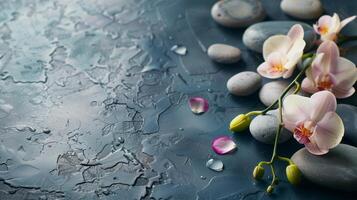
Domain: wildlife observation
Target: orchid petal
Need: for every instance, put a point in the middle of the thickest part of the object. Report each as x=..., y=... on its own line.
x=223, y=145
x=316, y=28
x=329, y=131
x=335, y=25
x=345, y=72
x=322, y=103
x=198, y=105
x=276, y=43
x=331, y=53
x=308, y=86
x=317, y=66
x=296, y=51
x=264, y=70
x=346, y=21
x=324, y=20
x=296, y=32
x=343, y=93
x=313, y=148
x=296, y=109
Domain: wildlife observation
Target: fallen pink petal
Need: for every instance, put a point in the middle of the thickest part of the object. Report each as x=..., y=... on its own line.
x=198, y=105
x=223, y=145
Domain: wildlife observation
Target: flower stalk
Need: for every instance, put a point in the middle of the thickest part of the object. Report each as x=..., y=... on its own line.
x=275, y=156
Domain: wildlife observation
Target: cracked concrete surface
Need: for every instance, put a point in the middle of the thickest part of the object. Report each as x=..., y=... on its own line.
x=93, y=103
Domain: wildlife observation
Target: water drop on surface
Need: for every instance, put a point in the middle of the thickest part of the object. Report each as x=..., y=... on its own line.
x=215, y=165
x=93, y=103
x=203, y=177
x=180, y=50
x=46, y=131
x=120, y=140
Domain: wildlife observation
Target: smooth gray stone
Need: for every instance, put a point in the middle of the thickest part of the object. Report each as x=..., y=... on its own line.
x=237, y=13
x=244, y=83
x=337, y=169
x=271, y=91
x=263, y=128
x=348, y=114
x=223, y=53
x=302, y=9
x=255, y=35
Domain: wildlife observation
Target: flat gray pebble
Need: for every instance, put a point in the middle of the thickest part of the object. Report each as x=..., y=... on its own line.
x=244, y=83
x=263, y=128
x=302, y=9
x=348, y=114
x=237, y=13
x=255, y=35
x=223, y=53
x=337, y=169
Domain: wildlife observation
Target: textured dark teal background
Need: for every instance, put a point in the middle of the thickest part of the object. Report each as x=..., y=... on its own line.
x=94, y=104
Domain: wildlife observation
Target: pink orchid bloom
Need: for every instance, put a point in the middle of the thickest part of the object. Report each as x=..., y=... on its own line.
x=330, y=72
x=314, y=121
x=282, y=52
x=328, y=27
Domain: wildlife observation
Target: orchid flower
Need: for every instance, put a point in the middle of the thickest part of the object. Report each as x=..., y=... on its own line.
x=314, y=121
x=328, y=27
x=282, y=52
x=330, y=72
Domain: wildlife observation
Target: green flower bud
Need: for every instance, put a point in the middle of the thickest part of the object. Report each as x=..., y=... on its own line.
x=240, y=123
x=293, y=174
x=270, y=189
x=258, y=172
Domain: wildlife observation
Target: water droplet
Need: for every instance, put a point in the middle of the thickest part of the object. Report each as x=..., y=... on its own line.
x=203, y=177
x=93, y=103
x=181, y=129
x=209, y=90
x=180, y=50
x=46, y=131
x=215, y=165
x=121, y=140
x=128, y=74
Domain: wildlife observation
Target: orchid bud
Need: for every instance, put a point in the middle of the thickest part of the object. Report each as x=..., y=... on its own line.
x=293, y=174
x=240, y=123
x=270, y=189
x=258, y=172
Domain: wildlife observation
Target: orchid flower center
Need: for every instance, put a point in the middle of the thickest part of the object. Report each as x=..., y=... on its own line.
x=303, y=131
x=323, y=30
x=278, y=68
x=325, y=83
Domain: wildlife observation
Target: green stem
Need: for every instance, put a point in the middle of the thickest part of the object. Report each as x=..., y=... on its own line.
x=278, y=130
x=285, y=159
x=307, y=55
x=298, y=87
x=273, y=181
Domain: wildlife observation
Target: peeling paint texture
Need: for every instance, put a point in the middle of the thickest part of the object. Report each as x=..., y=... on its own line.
x=93, y=103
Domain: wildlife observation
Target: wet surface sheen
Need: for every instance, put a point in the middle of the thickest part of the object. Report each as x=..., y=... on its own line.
x=94, y=105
